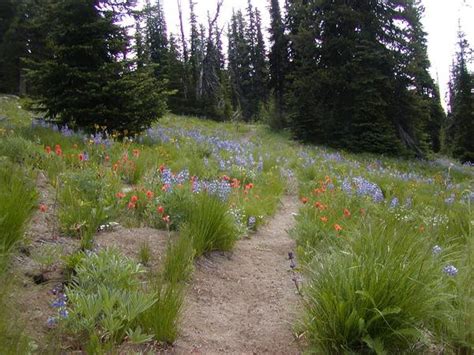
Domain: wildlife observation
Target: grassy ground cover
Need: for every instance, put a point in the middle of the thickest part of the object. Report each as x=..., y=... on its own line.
x=384, y=246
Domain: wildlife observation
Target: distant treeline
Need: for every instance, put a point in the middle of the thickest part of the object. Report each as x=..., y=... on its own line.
x=351, y=74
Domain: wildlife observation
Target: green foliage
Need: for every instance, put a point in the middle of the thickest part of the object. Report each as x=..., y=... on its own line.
x=379, y=292
x=178, y=263
x=12, y=336
x=107, y=299
x=87, y=200
x=144, y=254
x=210, y=226
x=19, y=150
x=18, y=199
x=162, y=318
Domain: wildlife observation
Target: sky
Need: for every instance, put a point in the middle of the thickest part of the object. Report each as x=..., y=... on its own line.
x=440, y=22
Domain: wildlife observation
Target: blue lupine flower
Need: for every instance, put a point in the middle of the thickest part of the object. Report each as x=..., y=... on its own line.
x=52, y=322
x=394, y=202
x=63, y=313
x=251, y=222
x=58, y=303
x=449, y=200
x=450, y=270
x=437, y=250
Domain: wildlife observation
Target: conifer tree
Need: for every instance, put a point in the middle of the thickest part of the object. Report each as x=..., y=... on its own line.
x=461, y=104
x=85, y=81
x=278, y=61
x=156, y=37
x=358, y=75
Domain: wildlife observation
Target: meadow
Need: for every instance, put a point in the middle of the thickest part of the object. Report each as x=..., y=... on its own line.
x=383, y=246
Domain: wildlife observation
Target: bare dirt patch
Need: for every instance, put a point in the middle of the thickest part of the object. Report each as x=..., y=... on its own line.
x=245, y=301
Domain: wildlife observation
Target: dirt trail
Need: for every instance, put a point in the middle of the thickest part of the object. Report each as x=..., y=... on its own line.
x=245, y=302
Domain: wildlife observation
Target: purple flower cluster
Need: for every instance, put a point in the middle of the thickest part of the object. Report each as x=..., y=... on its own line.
x=363, y=187
x=450, y=270
x=60, y=304
x=237, y=153
x=218, y=188
x=170, y=179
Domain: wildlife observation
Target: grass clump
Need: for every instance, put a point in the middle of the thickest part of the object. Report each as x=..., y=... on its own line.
x=380, y=293
x=18, y=199
x=178, y=263
x=210, y=225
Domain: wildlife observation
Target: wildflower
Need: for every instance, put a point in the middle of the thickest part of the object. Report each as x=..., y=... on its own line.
x=136, y=153
x=81, y=157
x=134, y=198
x=450, y=270
x=160, y=209
x=337, y=227
x=347, y=213
x=249, y=186
x=43, y=208
x=324, y=219
x=165, y=187
x=292, y=263
x=304, y=200
x=251, y=222
x=235, y=183
x=59, y=303
x=225, y=178
x=166, y=219
x=394, y=202
x=58, y=151
x=149, y=194
x=131, y=206
x=437, y=250
x=120, y=195
x=107, y=158
x=52, y=322
x=47, y=149
x=63, y=313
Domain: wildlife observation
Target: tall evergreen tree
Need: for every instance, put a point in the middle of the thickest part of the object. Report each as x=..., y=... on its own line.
x=239, y=66
x=85, y=80
x=22, y=38
x=156, y=37
x=461, y=104
x=355, y=78
x=278, y=60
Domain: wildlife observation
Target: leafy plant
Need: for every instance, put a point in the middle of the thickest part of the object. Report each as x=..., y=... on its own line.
x=87, y=201
x=107, y=298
